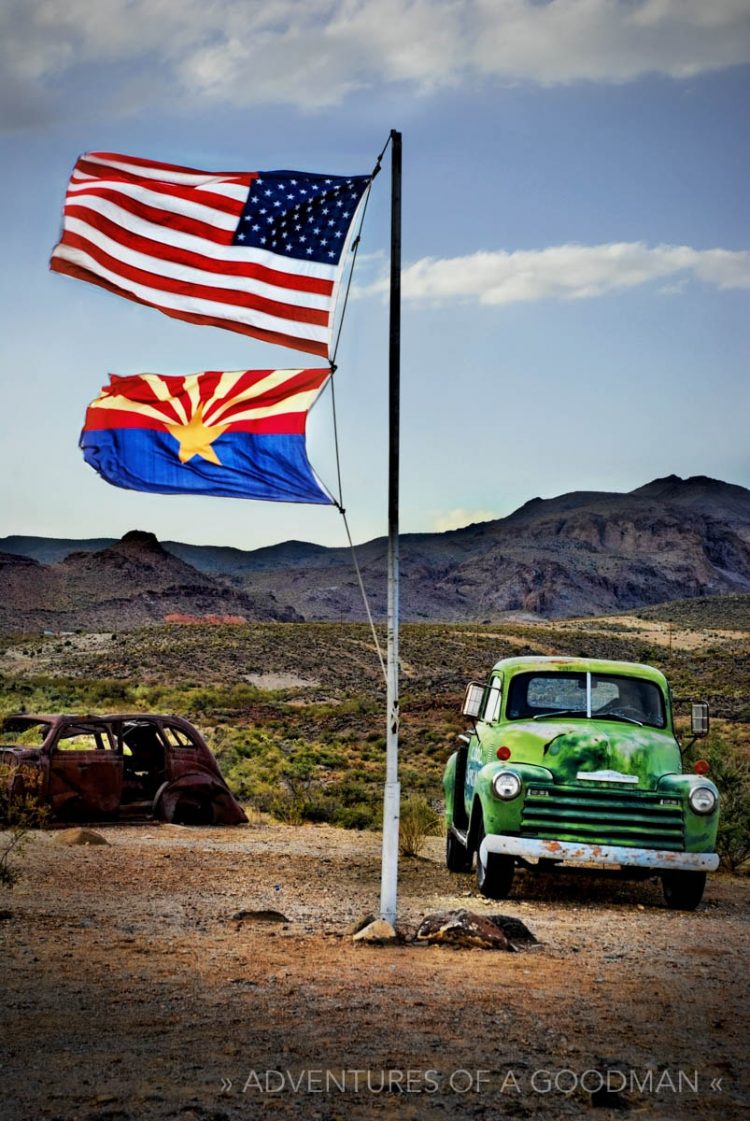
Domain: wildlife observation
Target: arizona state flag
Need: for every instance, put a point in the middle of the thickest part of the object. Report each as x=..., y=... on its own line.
x=237, y=434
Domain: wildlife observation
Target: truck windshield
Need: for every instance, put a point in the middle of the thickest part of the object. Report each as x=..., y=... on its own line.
x=598, y=696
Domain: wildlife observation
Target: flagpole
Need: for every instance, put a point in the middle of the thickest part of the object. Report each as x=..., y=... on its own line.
x=391, y=800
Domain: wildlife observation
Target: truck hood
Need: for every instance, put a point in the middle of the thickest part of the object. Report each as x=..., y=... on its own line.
x=569, y=748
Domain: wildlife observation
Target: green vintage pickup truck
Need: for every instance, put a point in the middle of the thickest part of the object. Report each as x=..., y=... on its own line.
x=574, y=761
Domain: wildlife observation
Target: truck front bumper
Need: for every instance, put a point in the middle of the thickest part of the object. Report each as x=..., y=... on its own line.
x=603, y=856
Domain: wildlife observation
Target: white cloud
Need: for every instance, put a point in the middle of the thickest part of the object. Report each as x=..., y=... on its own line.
x=566, y=272
x=460, y=517
x=313, y=53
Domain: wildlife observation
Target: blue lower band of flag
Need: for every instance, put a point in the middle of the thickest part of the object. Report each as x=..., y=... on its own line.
x=270, y=467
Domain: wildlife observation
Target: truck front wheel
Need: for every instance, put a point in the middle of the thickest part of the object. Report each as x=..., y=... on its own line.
x=457, y=856
x=495, y=872
x=683, y=891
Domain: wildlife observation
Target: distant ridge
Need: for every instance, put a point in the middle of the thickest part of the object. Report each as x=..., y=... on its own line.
x=582, y=553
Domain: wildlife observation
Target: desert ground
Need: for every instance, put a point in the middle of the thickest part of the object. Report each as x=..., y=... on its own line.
x=132, y=992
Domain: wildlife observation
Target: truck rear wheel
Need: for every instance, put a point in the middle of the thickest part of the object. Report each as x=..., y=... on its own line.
x=683, y=891
x=495, y=873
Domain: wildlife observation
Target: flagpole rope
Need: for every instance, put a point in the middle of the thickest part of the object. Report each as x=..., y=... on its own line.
x=354, y=251
x=364, y=597
x=332, y=362
x=336, y=438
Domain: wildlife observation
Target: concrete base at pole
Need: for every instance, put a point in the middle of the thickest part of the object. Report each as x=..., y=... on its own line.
x=389, y=872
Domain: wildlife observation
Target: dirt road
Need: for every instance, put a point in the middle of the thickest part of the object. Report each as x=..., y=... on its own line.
x=130, y=993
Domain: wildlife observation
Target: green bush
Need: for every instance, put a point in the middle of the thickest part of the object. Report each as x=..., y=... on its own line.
x=730, y=770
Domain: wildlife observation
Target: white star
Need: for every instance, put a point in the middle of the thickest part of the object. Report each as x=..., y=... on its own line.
x=256, y=227
x=308, y=250
x=240, y=237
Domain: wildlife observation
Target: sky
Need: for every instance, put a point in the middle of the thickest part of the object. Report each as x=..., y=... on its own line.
x=576, y=244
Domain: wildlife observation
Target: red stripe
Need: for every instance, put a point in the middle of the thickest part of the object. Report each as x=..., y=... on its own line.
x=285, y=424
x=225, y=296
x=137, y=389
x=166, y=219
x=198, y=195
x=239, y=176
x=272, y=396
x=278, y=338
x=206, y=264
x=207, y=384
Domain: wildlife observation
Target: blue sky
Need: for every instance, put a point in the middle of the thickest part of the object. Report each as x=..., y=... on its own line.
x=576, y=243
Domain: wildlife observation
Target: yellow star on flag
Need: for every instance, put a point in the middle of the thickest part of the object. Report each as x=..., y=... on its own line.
x=196, y=438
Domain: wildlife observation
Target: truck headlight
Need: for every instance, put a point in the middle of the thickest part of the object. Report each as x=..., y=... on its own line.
x=702, y=799
x=506, y=785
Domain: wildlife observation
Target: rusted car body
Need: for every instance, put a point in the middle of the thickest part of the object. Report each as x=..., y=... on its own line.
x=116, y=768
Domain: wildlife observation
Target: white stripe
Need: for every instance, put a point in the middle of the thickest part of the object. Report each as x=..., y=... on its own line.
x=224, y=187
x=173, y=204
x=194, y=305
x=164, y=235
x=160, y=266
x=183, y=177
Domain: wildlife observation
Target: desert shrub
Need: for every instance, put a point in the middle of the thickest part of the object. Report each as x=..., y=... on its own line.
x=20, y=812
x=361, y=815
x=419, y=820
x=730, y=770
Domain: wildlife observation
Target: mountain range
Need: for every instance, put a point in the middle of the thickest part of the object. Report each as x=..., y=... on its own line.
x=583, y=553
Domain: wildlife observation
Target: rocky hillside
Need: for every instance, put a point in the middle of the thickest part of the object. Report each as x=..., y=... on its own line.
x=582, y=553
x=133, y=582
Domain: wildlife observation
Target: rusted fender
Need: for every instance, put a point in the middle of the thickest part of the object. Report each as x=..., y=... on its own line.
x=226, y=810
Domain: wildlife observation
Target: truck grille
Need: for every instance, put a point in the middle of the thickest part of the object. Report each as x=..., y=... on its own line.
x=640, y=820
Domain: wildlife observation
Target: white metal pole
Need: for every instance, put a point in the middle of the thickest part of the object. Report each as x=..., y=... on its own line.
x=392, y=797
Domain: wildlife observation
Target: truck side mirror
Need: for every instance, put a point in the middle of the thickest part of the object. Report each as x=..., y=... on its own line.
x=699, y=719
x=472, y=705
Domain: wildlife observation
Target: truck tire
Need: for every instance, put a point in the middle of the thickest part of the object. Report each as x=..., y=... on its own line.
x=457, y=856
x=683, y=891
x=495, y=877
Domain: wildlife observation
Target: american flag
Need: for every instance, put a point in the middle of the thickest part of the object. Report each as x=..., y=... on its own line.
x=256, y=252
